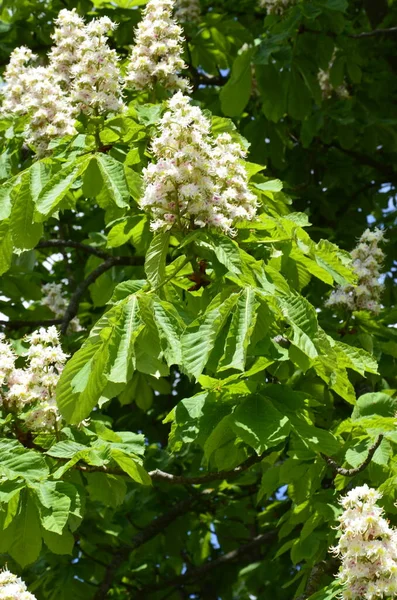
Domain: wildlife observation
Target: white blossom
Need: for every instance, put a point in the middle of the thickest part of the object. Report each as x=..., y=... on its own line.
x=157, y=54
x=32, y=389
x=367, y=547
x=15, y=81
x=69, y=35
x=7, y=360
x=57, y=303
x=187, y=11
x=367, y=261
x=13, y=588
x=324, y=80
x=51, y=114
x=96, y=87
x=197, y=180
x=276, y=6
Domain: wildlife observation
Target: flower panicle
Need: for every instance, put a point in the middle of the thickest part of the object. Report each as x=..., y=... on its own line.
x=367, y=263
x=367, y=547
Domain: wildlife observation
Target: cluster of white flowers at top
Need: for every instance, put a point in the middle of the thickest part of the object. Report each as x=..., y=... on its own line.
x=13, y=588
x=96, y=76
x=57, y=303
x=275, y=6
x=32, y=388
x=157, y=55
x=82, y=75
x=367, y=261
x=69, y=35
x=367, y=547
x=187, y=11
x=197, y=180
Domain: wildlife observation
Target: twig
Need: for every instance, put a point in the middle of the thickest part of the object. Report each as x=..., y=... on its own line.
x=110, y=262
x=20, y=324
x=391, y=30
x=351, y=472
x=72, y=244
x=158, y=475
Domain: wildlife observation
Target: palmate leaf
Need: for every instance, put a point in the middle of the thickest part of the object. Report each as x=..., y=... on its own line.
x=17, y=461
x=22, y=539
x=170, y=328
x=199, y=339
x=54, y=499
x=240, y=331
x=6, y=247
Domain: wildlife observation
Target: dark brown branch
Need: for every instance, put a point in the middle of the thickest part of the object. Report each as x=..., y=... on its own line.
x=72, y=244
x=203, y=570
x=20, y=324
x=110, y=262
x=390, y=31
x=351, y=472
x=366, y=160
x=158, y=475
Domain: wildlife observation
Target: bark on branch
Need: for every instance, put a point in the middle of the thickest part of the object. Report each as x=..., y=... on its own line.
x=351, y=472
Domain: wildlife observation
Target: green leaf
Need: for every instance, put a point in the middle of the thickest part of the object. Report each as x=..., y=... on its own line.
x=259, y=424
x=25, y=233
x=226, y=251
x=240, y=331
x=58, y=186
x=272, y=185
x=236, y=93
x=26, y=543
x=6, y=247
x=17, y=461
x=59, y=544
x=198, y=344
x=128, y=328
x=156, y=257
x=355, y=358
x=54, y=504
x=375, y=403
x=170, y=328
x=5, y=199
x=114, y=180
x=93, y=180
x=131, y=467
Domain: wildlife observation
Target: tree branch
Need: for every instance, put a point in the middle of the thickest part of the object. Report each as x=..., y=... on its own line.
x=20, y=324
x=351, y=472
x=72, y=244
x=390, y=31
x=158, y=475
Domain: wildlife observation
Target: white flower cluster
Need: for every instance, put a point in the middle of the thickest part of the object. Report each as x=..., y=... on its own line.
x=58, y=304
x=96, y=85
x=275, y=6
x=69, y=36
x=367, y=261
x=157, y=55
x=82, y=75
x=187, y=11
x=367, y=548
x=327, y=89
x=197, y=180
x=32, y=389
x=13, y=588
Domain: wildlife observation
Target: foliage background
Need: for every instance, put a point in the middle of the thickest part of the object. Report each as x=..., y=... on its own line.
x=232, y=537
